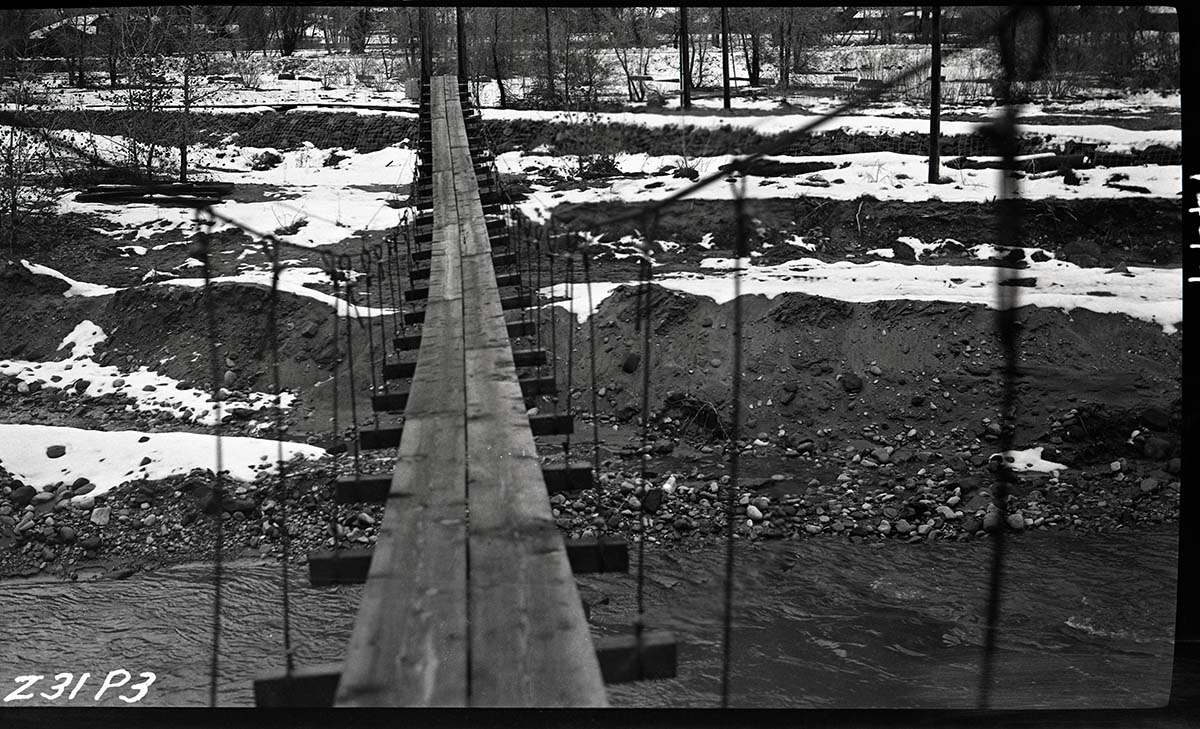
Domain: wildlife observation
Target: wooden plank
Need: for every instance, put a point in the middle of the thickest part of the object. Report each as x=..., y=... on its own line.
x=338, y=567
x=376, y=438
x=407, y=342
x=395, y=402
x=366, y=487
x=376, y=488
x=395, y=370
x=561, y=477
x=308, y=686
x=409, y=645
x=530, y=357
x=552, y=424
x=624, y=658
x=536, y=650
x=589, y=554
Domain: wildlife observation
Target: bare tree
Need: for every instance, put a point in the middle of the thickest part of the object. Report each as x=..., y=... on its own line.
x=15, y=26
x=358, y=28
x=633, y=41
x=254, y=25
x=290, y=23
x=747, y=24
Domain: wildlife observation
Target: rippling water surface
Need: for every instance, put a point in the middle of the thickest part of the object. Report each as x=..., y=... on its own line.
x=1086, y=621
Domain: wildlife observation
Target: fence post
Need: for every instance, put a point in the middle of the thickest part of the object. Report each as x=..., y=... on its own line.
x=935, y=95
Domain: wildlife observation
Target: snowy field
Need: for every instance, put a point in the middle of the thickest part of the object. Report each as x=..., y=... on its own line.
x=325, y=202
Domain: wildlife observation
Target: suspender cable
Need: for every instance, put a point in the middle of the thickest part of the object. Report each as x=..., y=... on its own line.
x=1004, y=133
x=741, y=252
x=644, y=311
x=346, y=262
x=570, y=345
x=537, y=241
x=281, y=489
x=399, y=310
x=338, y=446
x=217, y=510
x=553, y=306
x=587, y=281
x=368, y=275
x=381, y=271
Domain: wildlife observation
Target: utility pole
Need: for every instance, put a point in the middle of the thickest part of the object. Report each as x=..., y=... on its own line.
x=935, y=96
x=725, y=53
x=685, y=69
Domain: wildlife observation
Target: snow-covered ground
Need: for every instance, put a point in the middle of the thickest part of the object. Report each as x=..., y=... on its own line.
x=1151, y=294
x=328, y=202
x=292, y=280
x=270, y=90
x=110, y=458
x=1112, y=138
x=150, y=391
x=882, y=175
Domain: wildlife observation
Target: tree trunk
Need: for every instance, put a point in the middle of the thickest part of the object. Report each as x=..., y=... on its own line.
x=685, y=63
x=755, y=70
x=549, y=60
x=935, y=96
x=566, y=51
x=496, y=58
x=725, y=57
x=783, y=54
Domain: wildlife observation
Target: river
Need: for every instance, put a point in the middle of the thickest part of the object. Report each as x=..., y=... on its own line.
x=1087, y=621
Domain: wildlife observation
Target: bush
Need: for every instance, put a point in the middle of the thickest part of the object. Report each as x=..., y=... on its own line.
x=250, y=69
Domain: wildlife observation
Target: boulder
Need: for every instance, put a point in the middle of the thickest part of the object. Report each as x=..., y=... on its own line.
x=1156, y=448
x=22, y=495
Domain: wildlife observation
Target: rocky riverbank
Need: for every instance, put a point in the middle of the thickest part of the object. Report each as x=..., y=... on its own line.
x=905, y=487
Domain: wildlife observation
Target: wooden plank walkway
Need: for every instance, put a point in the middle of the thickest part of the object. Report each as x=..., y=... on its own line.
x=409, y=644
x=470, y=599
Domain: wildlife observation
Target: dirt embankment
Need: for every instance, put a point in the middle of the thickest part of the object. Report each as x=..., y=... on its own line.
x=867, y=421
x=165, y=328
x=1086, y=232
x=370, y=132
x=278, y=129
x=690, y=141
x=815, y=363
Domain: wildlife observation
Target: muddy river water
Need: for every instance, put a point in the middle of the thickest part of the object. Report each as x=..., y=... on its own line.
x=1086, y=621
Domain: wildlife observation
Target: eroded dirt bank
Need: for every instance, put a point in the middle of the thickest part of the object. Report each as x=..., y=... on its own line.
x=867, y=421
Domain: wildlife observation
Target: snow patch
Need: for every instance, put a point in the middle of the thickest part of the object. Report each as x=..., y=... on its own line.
x=77, y=288
x=150, y=391
x=83, y=340
x=110, y=458
x=1150, y=294
x=1031, y=460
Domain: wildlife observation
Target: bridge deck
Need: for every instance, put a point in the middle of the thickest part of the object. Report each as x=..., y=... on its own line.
x=470, y=599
